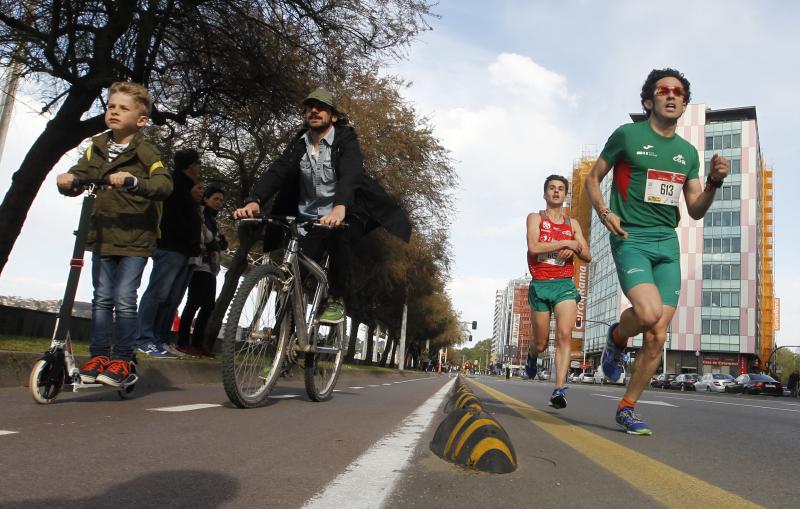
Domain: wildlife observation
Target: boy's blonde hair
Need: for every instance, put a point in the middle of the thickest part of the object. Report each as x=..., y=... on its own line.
x=135, y=90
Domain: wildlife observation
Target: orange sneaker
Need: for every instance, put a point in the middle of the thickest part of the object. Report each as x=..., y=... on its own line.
x=94, y=367
x=116, y=373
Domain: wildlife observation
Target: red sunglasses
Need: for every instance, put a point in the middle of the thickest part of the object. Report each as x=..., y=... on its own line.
x=677, y=91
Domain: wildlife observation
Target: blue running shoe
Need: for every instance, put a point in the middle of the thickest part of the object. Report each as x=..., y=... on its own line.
x=611, y=360
x=156, y=351
x=631, y=423
x=559, y=398
x=531, y=367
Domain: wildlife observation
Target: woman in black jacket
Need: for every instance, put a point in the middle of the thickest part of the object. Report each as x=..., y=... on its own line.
x=203, y=286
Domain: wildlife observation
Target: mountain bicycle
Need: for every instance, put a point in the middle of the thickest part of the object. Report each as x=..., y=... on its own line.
x=57, y=369
x=274, y=321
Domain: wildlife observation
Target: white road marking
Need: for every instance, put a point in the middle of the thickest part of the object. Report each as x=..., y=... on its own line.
x=4, y=432
x=336, y=390
x=643, y=401
x=387, y=384
x=367, y=481
x=373, y=386
x=355, y=387
x=285, y=396
x=185, y=408
x=734, y=404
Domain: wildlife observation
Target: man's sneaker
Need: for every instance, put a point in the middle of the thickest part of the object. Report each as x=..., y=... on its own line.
x=531, y=367
x=334, y=312
x=174, y=351
x=94, y=367
x=559, y=398
x=611, y=360
x=115, y=373
x=188, y=350
x=156, y=351
x=631, y=423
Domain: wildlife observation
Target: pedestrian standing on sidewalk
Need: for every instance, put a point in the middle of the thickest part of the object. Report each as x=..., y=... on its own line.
x=794, y=378
x=180, y=241
x=554, y=239
x=203, y=285
x=652, y=166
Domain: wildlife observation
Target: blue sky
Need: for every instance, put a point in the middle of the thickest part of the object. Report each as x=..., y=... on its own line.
x=516, y=90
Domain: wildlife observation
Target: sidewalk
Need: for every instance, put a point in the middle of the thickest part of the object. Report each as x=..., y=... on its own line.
x=15, y=368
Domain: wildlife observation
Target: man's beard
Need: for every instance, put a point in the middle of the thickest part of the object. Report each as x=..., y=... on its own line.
x=320, y=128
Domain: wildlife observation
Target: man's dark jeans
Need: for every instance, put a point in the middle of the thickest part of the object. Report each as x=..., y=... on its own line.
x=168, y=282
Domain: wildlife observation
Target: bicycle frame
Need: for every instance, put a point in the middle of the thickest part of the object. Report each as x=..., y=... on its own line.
x=305, y=319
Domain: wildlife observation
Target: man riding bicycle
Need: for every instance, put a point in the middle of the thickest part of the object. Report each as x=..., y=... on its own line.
x=320, y=177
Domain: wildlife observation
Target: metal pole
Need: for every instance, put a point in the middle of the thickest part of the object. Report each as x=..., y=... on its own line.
x=402, y=362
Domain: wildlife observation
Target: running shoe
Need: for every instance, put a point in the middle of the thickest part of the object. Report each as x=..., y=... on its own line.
x=530, y=366
x=611, y=360
x=153, y=350
x=334, y=312
x=188, y=350
x=559, y=398
x=94, y=367
x=631, y=423
x=174, y=351
x=116, y=373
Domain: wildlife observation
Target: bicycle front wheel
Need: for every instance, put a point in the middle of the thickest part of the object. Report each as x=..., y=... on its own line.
x=254, y=346
x=323, y=366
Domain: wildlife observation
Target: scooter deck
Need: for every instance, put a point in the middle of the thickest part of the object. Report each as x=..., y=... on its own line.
x=79, y=386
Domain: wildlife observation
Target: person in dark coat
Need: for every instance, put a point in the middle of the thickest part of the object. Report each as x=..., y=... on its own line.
x=320, y=176
x=179, y=241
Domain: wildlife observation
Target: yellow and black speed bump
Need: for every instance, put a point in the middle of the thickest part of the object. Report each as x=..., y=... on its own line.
x=470, y=437
x=463, y=399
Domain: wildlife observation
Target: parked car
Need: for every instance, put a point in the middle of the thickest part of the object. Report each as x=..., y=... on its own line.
x=755, y=383
x=662, y=381
x=574, y=378
x=543, y=375
x=600, y=378
x=587, y=377
x=713, y=382
x=684, y=382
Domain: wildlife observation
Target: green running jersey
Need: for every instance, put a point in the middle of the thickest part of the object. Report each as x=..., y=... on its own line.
x=649, y=174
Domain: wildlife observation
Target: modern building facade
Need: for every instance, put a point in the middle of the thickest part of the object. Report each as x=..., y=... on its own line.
x=513, y=329
x=725, y=317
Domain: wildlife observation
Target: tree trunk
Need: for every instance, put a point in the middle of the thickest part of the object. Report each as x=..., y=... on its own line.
x=370, y=345
x=351, y=344
x=386, y=350
x=63, y=133
x=247, y=237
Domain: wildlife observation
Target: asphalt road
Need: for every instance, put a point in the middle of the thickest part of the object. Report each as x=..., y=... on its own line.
x=368, y=447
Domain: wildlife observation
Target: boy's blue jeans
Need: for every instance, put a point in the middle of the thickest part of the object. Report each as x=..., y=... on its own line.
x=116, y=280
x=168, y=282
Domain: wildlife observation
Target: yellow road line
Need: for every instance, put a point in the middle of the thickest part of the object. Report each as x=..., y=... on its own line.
x=662, y=482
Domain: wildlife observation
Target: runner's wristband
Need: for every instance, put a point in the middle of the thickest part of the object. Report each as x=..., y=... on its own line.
x=711, y=183
x=603, y=214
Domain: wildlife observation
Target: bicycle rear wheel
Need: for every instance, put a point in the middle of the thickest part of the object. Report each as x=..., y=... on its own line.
x=254, y=346
x=322, y=368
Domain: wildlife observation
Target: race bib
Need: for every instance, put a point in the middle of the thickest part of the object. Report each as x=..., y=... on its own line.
x=551, y=258
x=663, y=187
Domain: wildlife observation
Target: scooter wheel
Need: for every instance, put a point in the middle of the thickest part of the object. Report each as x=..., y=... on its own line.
x=126, y=392
x=43, y=389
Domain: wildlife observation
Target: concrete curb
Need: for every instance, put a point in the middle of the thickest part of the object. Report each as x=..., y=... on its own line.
x=472, y=438
x=15, y=368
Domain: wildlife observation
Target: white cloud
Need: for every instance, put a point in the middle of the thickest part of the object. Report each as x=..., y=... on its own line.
x=521, y=77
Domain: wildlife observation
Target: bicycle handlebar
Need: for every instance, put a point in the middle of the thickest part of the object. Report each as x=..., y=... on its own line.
x=84, y=183
x=287, y=221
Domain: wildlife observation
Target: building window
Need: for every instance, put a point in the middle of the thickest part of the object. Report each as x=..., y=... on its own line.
x=720, y=327
x=720, y=299
x=722, y=218
x=723, y=141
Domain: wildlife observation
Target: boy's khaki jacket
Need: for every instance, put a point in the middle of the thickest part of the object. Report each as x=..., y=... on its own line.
x=124, y=222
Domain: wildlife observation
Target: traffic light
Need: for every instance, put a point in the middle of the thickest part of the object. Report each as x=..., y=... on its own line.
x=578, y=322
x=474, y=326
